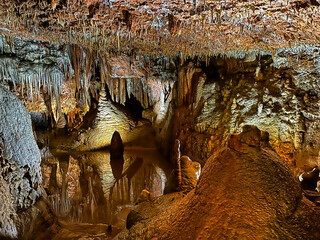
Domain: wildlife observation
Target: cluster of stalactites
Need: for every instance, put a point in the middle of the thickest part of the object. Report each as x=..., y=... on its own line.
x=83, y=63
x=36, y=82
x=75, y=80
x=147, y=90
x=32, y=79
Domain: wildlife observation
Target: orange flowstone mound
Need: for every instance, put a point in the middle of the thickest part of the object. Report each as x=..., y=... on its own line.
x=245, y=191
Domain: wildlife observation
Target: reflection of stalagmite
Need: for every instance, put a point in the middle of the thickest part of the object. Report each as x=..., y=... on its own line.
x=53, y=185
x=92, y=199
x=64, y=164
x=121, y=190
x=116, y=156
x=117, y=167
x=132, y=170
x=99, y=191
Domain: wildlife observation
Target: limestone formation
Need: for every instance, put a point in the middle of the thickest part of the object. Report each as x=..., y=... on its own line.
x=247, y=192
x=7, y=211
x=223, y=92
x=109, y=119
x=116, y=147
x=180, y=28
x=283, y=102
x=20, y=175
x=21, y=156
x=144, y=196
x=190, y=173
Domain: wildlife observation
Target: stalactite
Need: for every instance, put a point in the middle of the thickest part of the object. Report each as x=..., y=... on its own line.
x=76, y=53
x=32, y=78
x=88, y=73
x=105, y=68
x=122, y=91
x=184, y=83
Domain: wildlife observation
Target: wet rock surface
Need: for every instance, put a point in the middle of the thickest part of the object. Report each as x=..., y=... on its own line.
x=250, y=193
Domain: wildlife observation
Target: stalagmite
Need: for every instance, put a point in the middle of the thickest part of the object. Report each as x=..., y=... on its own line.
x=116, y=147
x=177, y=164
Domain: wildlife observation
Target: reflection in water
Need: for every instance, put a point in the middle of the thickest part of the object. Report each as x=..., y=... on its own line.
x=117, y=167
x=91, y=187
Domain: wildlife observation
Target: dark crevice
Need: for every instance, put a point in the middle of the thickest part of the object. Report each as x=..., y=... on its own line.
x=28, y=176
x=134, y=106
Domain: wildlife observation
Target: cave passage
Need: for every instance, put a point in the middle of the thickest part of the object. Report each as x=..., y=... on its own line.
x=185, y=119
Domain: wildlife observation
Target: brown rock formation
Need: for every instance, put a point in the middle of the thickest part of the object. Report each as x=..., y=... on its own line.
x=190, y=172
x=282, y=102
x=180, y=28
x=246, y=194
x=177, y=164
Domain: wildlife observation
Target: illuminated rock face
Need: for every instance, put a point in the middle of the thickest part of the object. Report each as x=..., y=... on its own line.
x=109, y=119
x=200, y=100
x=278, y=94
x=190, y=172
x=19, y=160
x=244, y=191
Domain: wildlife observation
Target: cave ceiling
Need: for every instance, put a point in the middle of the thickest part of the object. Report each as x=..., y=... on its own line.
x=180, y=27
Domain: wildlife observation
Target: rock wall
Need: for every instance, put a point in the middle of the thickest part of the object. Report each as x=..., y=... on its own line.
x=279, y=94
x=8, y=228
x=20, y=173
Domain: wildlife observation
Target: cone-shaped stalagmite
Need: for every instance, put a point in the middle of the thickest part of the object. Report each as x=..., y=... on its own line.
x=116, y=149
